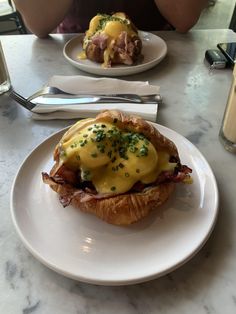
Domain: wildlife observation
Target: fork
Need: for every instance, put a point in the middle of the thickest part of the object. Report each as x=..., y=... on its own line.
x=48, y=90
x=21, y=100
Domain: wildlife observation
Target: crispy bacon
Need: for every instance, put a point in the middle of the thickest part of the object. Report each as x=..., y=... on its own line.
x=66, y=175
x=71, y=191
x=75, y=186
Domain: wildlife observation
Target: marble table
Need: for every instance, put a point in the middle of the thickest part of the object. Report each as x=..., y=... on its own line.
x=194, y=102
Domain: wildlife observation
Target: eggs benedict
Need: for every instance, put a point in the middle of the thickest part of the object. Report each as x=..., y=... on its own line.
x=115, y=166
x=111, y=39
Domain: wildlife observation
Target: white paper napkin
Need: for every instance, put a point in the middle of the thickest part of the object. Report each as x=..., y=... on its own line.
x=86, y=85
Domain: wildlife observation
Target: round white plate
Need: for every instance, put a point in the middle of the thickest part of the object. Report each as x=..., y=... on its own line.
x=154, y=50
x=83, y=247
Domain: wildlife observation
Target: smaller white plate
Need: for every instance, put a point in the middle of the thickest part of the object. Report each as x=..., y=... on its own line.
x=154, y=50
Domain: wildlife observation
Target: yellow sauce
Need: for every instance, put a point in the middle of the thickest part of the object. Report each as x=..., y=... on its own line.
x=112, y=159
x=93, y=25
x=111, y=26
x=82, y=55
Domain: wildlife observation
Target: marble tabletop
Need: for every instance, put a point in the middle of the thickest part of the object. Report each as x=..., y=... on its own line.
x=194, y=102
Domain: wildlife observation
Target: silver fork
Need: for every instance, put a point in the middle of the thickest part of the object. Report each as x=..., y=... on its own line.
x=21, y=100
x=48, y=90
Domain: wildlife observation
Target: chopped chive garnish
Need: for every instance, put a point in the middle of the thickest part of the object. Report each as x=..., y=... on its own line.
x=113, y=159
x=73, y=145
x=143, y=151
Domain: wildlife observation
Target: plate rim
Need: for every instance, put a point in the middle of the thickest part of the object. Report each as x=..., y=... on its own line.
x=121, y=70
x=122, y=281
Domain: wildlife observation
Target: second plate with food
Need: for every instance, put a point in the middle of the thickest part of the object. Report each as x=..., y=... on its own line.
x=154, y=50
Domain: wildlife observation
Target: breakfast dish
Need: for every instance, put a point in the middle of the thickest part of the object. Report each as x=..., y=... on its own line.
x=112, y=39
x=115, y=166
x=83, y=247
x=154, y=50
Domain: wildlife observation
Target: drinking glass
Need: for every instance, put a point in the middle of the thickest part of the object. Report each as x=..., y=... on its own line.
x=5, y=83
x=227, y=133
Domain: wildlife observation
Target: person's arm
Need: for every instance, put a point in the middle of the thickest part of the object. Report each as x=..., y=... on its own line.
x=182, y=14
x=42, y=16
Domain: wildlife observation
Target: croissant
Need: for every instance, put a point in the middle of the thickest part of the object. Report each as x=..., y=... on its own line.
x=115, y=166
x=112, y=39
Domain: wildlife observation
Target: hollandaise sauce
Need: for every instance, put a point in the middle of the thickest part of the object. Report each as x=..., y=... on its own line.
x=111, y=26
x=112, y=159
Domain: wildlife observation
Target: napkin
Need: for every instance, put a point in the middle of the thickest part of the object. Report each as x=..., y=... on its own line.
x=88, y=85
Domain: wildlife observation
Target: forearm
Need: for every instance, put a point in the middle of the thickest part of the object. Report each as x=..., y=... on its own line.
x=42, y=16
x=182, y=14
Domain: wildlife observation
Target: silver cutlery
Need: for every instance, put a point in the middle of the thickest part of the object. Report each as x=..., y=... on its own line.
x=56, y=93
x=21, y=100
x=63, y=98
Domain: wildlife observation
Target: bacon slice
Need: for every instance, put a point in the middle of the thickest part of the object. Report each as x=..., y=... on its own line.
x=73, y=186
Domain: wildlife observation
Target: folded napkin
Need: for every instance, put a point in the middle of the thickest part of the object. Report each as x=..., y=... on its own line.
x=87, y=85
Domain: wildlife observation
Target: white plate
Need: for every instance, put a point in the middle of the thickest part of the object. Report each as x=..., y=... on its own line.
x=83, y=247
x=154, y=50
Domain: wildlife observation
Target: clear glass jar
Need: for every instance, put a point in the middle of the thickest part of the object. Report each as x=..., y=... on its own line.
x=5, y=82
x=227, y=133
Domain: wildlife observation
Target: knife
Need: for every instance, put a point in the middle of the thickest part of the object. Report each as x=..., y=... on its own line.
x=49, y=99
x=57, y=100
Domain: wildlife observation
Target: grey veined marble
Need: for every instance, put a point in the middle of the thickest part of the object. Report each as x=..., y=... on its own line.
x=194, y=99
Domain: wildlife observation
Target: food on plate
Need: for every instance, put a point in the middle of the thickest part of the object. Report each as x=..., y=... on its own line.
x=112, y=39
x=115, y=166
